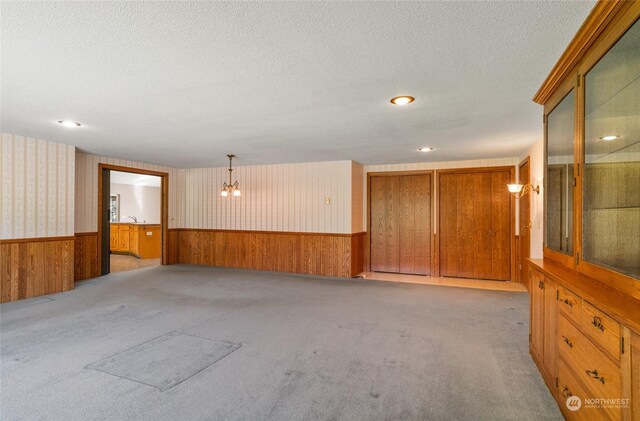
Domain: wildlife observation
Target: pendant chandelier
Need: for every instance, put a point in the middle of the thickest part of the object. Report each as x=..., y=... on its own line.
x=232, y=189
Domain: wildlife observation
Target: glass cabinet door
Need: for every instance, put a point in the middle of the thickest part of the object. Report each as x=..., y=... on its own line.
x=559, y=176
x=611, y=179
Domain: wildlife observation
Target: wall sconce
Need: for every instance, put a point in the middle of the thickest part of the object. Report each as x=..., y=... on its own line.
x=520, y=190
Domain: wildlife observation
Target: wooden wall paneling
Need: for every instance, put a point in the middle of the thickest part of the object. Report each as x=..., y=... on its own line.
x=309, y=253
x=86, y=256
x=172, y=246
x=357, y=253
x=501, y=226
x=612, y=210
x=36, y=266
x=553, y=198
x=482, y=221
x=567, y=186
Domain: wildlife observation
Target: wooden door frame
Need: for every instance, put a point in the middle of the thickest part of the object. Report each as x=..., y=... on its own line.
x=164, y=205
x=367, y=248
x=520, y=260
x=512, y=207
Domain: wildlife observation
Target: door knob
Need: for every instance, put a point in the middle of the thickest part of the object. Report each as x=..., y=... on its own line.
x=527, y=226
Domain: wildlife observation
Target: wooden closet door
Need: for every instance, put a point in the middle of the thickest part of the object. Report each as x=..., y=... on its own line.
x=385, y=235
x=474, y=223
x=415, y=224
x=482, y=212
x=464, y=237
x=500, y=226
x=448, y=223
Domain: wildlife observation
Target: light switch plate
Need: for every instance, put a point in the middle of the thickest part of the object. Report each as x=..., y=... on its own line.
x=149, y=233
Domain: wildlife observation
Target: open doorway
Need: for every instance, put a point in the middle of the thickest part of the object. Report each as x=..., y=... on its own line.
x=133, y=215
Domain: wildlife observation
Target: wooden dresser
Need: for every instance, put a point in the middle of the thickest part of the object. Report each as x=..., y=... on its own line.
x=585, y=292
x=141, y=240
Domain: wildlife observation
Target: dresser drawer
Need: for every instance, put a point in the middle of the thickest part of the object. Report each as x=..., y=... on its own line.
x=589, y=364
x=568, y=387
x=602, y=328
x=570, y=304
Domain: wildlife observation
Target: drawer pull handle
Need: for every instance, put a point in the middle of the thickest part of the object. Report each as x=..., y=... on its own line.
x=566, y=392
x=597, y=323
x=594, y=375
x=567, y=302
x=567, y=341
x=541, y=285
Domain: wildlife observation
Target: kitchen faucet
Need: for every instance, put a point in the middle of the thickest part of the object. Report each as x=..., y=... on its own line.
x=134, y=219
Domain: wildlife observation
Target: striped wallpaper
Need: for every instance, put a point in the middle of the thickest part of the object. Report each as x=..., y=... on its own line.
x=357, y=206
x=49, y=189
x=37, y=196
x=287, y=197
x=86, y=197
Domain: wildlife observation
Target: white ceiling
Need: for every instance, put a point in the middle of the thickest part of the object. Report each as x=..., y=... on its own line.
x=184, y=83
x=118, y=177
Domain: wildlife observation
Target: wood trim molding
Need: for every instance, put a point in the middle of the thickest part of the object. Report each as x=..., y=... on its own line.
x=333, y=234
x=523, y=163
x=479, y=169
x=590, y=30
x=86, y=256
x=133, y=170
x=35, y=239
x=164, y=207
x=392, y=173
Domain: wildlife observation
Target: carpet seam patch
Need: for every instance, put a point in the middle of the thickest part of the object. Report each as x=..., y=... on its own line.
x=95, y=366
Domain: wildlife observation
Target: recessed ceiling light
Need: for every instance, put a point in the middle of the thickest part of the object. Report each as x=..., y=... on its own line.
x=610, y=137
x=402, y=100
x=425, y=149
x=69, y=123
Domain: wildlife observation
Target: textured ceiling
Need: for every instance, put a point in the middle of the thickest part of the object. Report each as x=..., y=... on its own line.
x=182, y=84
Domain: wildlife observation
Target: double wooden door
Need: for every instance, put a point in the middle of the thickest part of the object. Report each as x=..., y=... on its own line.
x=475, y=224
x=401, y=223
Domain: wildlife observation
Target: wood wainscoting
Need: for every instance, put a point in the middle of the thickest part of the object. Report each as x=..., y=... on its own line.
x=86, y=256
x=35, y=266
x=294, y=252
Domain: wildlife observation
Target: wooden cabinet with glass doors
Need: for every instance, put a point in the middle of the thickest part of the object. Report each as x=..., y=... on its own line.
x=591, y=191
